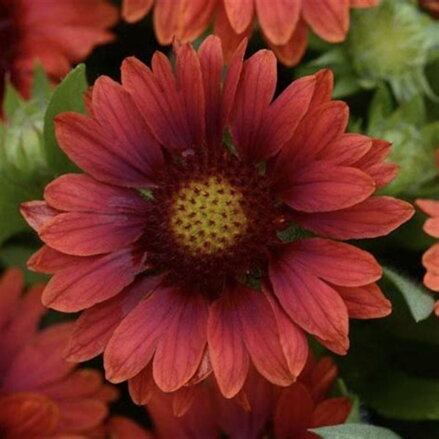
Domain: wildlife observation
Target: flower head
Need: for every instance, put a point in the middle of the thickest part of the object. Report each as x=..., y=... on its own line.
x=173, y=242
x=260, y=410
x=57, y=33
x=432, y=6
x=42, y=395
x=284, y=24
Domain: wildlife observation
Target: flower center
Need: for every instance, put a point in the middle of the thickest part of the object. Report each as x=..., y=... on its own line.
x=207, y=216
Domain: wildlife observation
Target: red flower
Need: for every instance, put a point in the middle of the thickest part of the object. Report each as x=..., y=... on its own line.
x=432, y=6
x=430, y=260
x=41, y=395
x=165, y=239
x=57, y=33
x=119, y=427
x=260, y=410
x=284, y=23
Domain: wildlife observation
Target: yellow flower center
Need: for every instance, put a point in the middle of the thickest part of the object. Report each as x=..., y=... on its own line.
x=207, y=216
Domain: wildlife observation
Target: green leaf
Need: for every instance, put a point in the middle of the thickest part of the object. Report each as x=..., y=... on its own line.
x=355, y=431
x=12, y=100
x=418, y=299
x=41, y=89
x=68, y=96
x=400, y=396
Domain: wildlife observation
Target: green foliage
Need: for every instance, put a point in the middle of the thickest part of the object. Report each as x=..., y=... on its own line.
x=355, y=431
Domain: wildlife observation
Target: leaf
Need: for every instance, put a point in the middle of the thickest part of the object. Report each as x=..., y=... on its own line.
x=418, y=299
x=355, y=431
x=11, y=101
x=400, y=396
x=41, y=89
x=68, y=96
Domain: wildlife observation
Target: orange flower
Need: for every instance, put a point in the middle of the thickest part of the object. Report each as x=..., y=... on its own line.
x=57, y=33
x=42, y=395
x=284, y=23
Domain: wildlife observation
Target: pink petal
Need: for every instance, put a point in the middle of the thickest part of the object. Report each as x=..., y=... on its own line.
x=322, y=187
x=376, y=216
x=37, y=213
x=329, y=19
x=180, y=349
x=430, y=207
x=93, y=149
x=135, y=340
x=431, y=227
x=278, y=18
x=195, y=17
x=253, y=96
x=329, y=259
x=310, y=302
x=95, y=325
x=240, y=14
x=261, y=336
x=91, y=280
x=48, y=261
x=365, y=302
x=228, y=354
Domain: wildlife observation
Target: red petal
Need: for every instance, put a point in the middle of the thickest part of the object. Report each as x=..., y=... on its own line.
x=293, y=412
x=135, y=10
x=332, y=411
x=240, y=14
x=366, y=302
x=180, y=349
x=278, y=18
x=261, y=336
x=135, y=340
x=166, y=17
x=364, y=3
x=125, y=428
x=95, y=325
x=77, y=416
x=227, y=351
x=328, y=19
x=37, y=213
x=431, y=227
x=329, y=259
x=195, y=18
x=346, y=149
x=142, y=386
x=430, y=207
x=47, y=260
x=310, y=302
x=322, y=187
x=253, y=96
x=11, y=286
x=96, y=151
x=91, y=280
x=376, y=216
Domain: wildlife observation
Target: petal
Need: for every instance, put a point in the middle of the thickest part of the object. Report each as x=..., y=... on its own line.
x=310, y=302
x=135, y=340
x=88, y=234
x=117, y=113
x=48, y=261
x=376, y=216
x=135, y=10
x=322, y=187
x=11, y=286
x=431, y=227
x=180, y=349
x=37, y=213
x=240, y=14
x=329, y=19
x=332, y=411
x=91, y=280
x=166, y=18
x=95, y=151
x=430, y=207
x=346, y=150
x=293, y=412
x=329, y=259
x=227, y=352
x=195, y=18
x=95, y=325
x=293, y=50
x=77, y=416
x=365, y=302
x=125, y=428
x=261, y=336
x=278, y=18
x=364, y=3
x=284, y=114
x=142, y=386
x=253, y=96
x=211, y=64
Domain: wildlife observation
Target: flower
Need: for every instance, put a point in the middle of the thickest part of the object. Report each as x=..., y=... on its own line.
x=119, y=427
x=430, y=260
x=432, y=6
x=57, y=33
x=173, y=242
x=41, y=395
x=262, y=410
x=284, y=24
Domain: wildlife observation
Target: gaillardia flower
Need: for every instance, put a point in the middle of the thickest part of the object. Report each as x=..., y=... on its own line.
x=42, y=396
x=261, y=410
x=284, y=23
x=173, y=241
x=430, y=260
x=57, y=33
